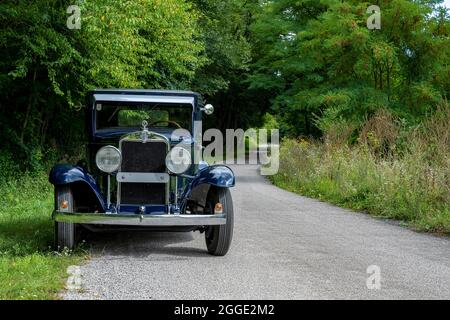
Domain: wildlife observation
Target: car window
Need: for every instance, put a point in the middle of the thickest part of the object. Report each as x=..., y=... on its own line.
x=113, y=115
x=134, y=118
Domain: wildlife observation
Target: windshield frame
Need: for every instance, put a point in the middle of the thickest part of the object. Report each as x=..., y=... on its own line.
x=139, y=105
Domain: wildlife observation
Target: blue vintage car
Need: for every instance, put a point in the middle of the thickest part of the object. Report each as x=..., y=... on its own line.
x=140, y=171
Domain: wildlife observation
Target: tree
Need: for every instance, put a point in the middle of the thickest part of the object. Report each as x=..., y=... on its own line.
x=225, y=30
x=142, y=44
x=322, y=63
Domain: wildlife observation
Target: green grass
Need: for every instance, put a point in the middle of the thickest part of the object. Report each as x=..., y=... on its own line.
x=29, y=268
x=408, y=188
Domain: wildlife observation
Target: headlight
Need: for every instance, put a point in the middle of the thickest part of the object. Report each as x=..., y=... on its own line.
x=178, y=160
x=108, y=159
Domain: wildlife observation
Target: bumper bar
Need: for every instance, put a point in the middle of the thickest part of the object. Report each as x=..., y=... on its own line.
x=165, y=220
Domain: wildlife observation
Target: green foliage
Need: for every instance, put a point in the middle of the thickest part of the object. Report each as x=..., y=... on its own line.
x=145, y=43
x=225, y=30
x=34, y=276
x=323, y=64
x=269, y=122
x=134, y=118
x=29, y=269
x=224, y=25
x=38, y=74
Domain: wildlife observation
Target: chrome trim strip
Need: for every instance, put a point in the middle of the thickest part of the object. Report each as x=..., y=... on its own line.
x=141, y=220
x=142, y=177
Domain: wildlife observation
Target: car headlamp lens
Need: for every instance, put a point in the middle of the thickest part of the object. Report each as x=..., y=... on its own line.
x=178, y=160
x=108, y=159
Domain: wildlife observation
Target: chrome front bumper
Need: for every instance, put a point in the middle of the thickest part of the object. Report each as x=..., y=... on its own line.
x=166, y=220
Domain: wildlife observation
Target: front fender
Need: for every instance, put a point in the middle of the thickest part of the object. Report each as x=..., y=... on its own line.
x=62, y=174
x=216, y=175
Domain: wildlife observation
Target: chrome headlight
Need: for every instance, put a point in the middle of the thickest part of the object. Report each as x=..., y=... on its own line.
x=108, y=159
x=178, y=160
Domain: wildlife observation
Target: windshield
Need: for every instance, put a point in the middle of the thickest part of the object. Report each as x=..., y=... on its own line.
x=120, y=115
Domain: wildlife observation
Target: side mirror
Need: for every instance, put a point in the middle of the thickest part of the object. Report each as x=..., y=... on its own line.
x=208, y=109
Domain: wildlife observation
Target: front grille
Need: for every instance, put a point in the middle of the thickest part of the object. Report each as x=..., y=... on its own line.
x=143, y=157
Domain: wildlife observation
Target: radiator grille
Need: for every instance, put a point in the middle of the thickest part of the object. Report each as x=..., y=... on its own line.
x=143, y=157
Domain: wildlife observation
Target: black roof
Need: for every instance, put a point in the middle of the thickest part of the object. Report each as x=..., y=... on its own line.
x=147, y=91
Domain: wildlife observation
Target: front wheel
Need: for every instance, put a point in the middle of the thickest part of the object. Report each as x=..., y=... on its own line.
x=218, y=238
x=64, y=231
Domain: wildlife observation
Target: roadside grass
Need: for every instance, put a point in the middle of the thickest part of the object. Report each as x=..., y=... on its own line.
x=411, y=185
x=29, y=268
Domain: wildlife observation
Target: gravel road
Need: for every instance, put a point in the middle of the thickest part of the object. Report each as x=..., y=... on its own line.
x=285, y=247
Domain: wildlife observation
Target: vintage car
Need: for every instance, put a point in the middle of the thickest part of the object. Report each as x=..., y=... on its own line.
x=140, y=171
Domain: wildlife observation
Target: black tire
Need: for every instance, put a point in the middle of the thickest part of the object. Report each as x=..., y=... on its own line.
x=218, y=238
x=64, y=231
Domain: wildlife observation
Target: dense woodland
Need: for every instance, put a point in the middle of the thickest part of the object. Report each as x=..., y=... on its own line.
x=302, y=65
